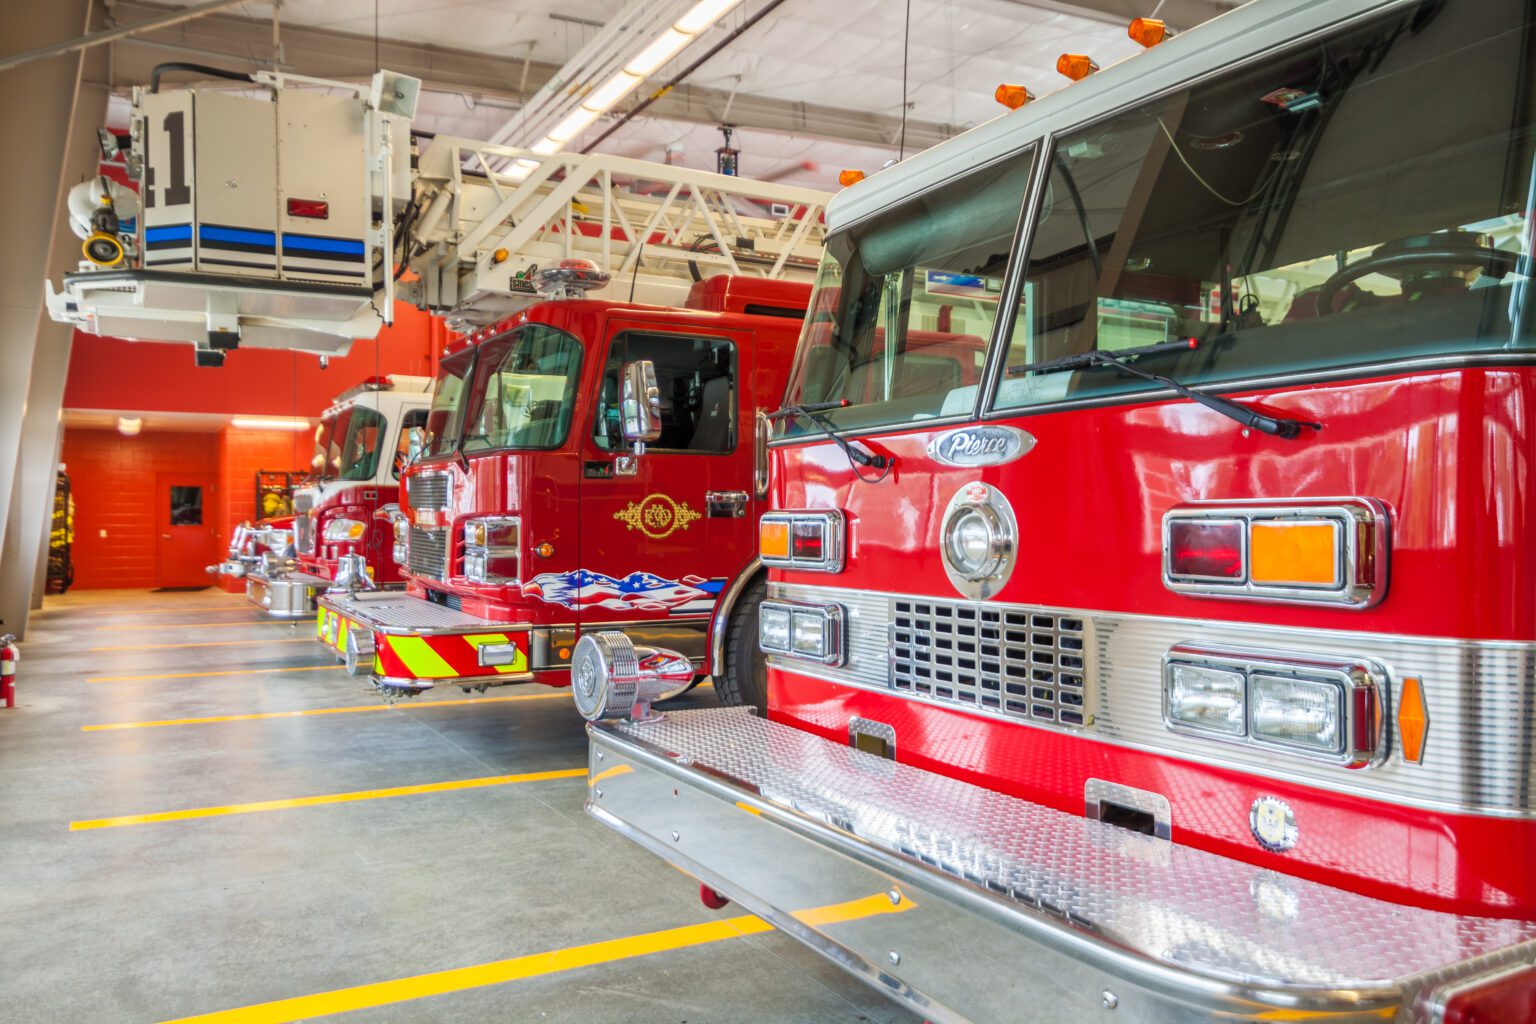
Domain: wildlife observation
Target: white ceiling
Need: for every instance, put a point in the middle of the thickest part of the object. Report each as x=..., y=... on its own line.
x=847, y=54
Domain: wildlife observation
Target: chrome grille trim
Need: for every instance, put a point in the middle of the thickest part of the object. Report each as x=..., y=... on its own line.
x=428, y=491
x=428, y=553
x=1481, y=694
x=1024, y=663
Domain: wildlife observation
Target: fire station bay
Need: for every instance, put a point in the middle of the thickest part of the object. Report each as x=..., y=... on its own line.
x=768, y=512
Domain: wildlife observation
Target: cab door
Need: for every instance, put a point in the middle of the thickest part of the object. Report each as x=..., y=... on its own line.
x=663, y=535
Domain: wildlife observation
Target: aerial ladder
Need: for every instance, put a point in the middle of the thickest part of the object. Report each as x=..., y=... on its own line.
x=291, y=212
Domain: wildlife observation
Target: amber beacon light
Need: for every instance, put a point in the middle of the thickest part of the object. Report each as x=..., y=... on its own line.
x=1076, y=66
x=1012, y=96
x=1148, y=31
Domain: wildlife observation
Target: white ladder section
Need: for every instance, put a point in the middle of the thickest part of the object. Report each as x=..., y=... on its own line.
x=478, y=230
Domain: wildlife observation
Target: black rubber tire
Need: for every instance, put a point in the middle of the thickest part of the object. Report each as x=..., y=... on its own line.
x=745, y=679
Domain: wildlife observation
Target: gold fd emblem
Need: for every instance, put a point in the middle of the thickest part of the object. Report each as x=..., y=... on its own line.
x=657, y=516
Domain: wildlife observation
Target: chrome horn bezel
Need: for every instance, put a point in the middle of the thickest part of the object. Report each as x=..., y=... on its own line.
x=987, y=502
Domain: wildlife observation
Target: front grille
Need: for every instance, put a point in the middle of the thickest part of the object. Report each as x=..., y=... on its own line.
x=1024, y=663
x=428, y=553
x=427, y=491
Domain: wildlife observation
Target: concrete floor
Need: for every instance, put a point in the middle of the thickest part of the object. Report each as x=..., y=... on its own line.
x=162, y=920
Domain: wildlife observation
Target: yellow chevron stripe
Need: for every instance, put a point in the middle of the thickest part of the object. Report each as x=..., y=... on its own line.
x=419, y=658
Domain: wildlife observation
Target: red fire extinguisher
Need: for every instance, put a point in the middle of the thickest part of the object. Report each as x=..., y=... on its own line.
x=9, y=655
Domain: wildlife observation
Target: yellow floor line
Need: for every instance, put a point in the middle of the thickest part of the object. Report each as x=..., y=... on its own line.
x=326, y=798
x=156, y=627
x=535, y=965
x=223, y=672
x=402, y=706
x=210, y=643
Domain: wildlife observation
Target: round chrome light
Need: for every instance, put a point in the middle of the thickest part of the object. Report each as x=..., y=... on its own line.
x=978, y=540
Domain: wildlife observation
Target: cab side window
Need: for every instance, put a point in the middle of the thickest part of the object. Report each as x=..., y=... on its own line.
x=697, y=380
x=412, y=419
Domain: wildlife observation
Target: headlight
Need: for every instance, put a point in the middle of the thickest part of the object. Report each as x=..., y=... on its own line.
x=1209, y=699
x=1325, y=708
x=810, y=631
x=1298, y=712
x=773, y=627
x=344, y=529
x=490, y=549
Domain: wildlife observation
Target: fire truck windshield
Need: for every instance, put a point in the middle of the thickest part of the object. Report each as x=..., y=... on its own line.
x=358, y=443
x=444, y=418
x=523, y=389
x=1353, y=202
x=905, y=302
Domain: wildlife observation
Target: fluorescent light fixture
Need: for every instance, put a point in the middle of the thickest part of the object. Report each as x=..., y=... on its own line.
x=703, y=14
x=545, y=147
x=269, y=423
x=658, y=53
x=129, y=425
x=574, y=124
x=610, y=92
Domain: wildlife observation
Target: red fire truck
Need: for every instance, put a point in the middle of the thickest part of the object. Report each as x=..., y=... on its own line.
x=1170, y=651
x=360, y=450
x=586, y=463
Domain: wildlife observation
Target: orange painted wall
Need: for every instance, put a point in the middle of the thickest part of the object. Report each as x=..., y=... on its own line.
x=109, y=373
x=113, y=479
x=241, y=454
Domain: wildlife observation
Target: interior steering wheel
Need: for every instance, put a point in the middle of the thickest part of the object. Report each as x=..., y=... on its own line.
x=1447, y=249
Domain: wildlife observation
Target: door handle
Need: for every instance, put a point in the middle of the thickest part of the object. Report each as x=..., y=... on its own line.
x=726, y=504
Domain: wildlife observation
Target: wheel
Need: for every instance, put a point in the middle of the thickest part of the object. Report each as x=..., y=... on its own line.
x=745, y=679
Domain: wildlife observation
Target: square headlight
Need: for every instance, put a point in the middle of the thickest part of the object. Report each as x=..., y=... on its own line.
x=1205, y=698
x=773, y=628
x=808, y=634
x=1304, y=713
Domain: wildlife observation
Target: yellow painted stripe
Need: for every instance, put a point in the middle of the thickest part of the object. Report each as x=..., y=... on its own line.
x=418, y=656
x=536, y=965
x=145, y=627
x=209, y=643
x=327, y=798
x=204, y=675
x=1386, y=1013
x=404, y=706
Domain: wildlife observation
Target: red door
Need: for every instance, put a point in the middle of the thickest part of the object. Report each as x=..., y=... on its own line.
x=652, y=535
x=183, y=505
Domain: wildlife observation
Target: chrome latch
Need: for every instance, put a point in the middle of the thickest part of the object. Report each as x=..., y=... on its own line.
x=726, y=504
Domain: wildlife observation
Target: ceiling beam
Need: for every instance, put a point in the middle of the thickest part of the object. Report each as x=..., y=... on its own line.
x=323, y=53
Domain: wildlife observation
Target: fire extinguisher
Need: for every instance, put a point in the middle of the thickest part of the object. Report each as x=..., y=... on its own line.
x=9, y=655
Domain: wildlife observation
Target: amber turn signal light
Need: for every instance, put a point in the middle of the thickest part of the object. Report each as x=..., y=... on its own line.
x=1012, y=96
x=773, y=538
x=1076, y=66
x=1148, y=31
x=1287, y=552
x=1412, y=720
x=850, y=177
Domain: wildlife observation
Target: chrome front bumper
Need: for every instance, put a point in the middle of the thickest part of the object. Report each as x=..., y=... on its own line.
x=968, y=905
x=289, y=596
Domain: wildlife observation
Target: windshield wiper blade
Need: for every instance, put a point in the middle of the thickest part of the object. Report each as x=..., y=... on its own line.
x=1276, y=426
x=813, y=413
x=1085, y=359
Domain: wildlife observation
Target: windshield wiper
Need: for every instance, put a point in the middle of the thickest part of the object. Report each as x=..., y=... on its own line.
x=813, y=412
x=1280, y=426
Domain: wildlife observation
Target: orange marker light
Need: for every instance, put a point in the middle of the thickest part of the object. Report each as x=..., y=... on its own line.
x=1076, y=66
x=1148, y=31
x=1412, y=720
x=1287, y=552
x=544, y=550
x=850, y=177
x=1012, y=96
x=773, y=539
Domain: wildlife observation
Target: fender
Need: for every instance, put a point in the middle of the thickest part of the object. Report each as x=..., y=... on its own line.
x=720, y=624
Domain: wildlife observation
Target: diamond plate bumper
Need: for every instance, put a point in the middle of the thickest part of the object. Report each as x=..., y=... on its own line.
x=290, y=596
x=1010, y=904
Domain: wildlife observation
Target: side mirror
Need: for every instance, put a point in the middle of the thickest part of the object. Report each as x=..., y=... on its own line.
x=640, y=405
x=415, y=444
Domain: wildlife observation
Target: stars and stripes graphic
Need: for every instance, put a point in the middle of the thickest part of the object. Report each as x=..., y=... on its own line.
x=639, y=591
